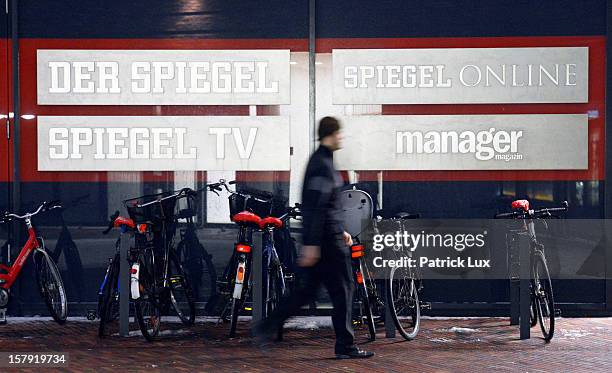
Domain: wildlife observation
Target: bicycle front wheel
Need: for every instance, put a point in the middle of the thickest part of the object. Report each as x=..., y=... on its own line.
x=543, y=294
x=366, y=306
x=148, y=313
x=403, y=298
x=181, y=295
x=108, y=305
x=51, y=286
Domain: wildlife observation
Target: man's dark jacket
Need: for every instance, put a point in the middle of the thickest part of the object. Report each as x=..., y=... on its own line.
x=322, y=214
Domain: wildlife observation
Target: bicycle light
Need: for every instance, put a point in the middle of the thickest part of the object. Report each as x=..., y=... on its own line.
x=359, y=277
x=241, y=248
x=142, y=228
x=357, y=251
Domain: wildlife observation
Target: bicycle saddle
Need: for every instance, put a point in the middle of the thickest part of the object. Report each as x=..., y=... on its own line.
x=271, y=221
x=124, y=221
x=522, y=204
x=246, y=217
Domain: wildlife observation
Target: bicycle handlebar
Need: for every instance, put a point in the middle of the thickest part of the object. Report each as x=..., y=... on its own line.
x=44, y=207
x=111, y=222
x=533, y=213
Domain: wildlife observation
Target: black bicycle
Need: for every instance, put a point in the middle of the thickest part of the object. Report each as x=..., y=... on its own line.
x=246, y=209
x=195, y=259
x=403, y=288
x=158, y=279
x=366, y=299
x=108, y=293
x=274, y=272
x=542, y=301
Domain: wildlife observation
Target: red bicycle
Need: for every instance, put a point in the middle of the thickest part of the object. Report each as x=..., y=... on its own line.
x=48, y=276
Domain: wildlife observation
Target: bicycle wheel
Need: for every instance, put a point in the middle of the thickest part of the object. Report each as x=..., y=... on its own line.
x=51, y=286
x=544, y=296
x=148, y=313
x=107, y=301
x=201, y=272
x=274, y=293
x=366, y=306
x=403, y=298
x=181, y=295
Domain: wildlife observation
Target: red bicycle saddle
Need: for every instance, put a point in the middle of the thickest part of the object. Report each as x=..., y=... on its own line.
x=271, y=221
x=124, y=221
x=246, y=217
x=522, y=204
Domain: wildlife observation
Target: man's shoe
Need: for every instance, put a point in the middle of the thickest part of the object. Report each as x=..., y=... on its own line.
x=355, y=354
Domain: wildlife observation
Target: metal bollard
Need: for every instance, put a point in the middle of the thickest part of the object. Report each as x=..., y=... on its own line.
x=525, y=279
x=127, y=238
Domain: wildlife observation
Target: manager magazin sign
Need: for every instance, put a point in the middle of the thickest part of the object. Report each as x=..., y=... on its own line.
x=465, y=142
x=460, y=76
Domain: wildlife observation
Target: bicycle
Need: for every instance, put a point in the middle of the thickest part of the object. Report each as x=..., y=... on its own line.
x=108, y=293
x=366, y=295
x=192, y=255
x=235, y=284
x=403, y=288
x=158, y=279
x=47, y=274
x=274, y=271
x=542, y=304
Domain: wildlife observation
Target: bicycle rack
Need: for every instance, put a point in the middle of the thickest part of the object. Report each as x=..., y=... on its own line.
x=127, y=241
x=520, y=297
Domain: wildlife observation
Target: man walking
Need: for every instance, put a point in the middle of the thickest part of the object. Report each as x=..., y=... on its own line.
x=325, y=255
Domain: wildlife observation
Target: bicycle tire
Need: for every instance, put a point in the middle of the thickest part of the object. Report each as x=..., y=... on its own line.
x=181, y=294
x=51, y=286
x=108, y=296
x=208, y=278
x=148, y=313
x=405, y=301
x=274, y=293
x=366, y=304
x=544, y=297
x=236, y=308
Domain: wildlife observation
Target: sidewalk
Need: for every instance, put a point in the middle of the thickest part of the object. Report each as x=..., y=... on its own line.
x=443, y=345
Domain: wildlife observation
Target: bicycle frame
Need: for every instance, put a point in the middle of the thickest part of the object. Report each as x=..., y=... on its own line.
x=7, y=279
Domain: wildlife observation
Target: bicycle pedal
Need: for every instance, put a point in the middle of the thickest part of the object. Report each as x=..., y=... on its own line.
x=289, y=277
x=425, y=305
x=557, y=312
x=91, y=315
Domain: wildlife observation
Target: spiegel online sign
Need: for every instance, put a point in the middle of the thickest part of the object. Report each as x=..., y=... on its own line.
x=460, y=75
x=465, y=142
x=162, y=143
x=163, y=77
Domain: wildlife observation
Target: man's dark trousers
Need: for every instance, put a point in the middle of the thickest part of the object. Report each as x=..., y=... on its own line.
x=333, y=271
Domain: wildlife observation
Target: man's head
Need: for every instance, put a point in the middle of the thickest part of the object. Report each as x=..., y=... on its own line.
x=330, y=133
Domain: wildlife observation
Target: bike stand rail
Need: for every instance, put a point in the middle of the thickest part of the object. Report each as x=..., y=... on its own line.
x=524, y=291
x=127, y=241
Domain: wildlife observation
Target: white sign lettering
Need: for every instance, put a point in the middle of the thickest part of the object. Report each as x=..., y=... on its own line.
x=460, y=75
x=163, y=77
x=465, y=142
x=163, y=143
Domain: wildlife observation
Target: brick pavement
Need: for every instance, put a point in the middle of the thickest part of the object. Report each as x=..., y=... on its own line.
x=580, y=345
